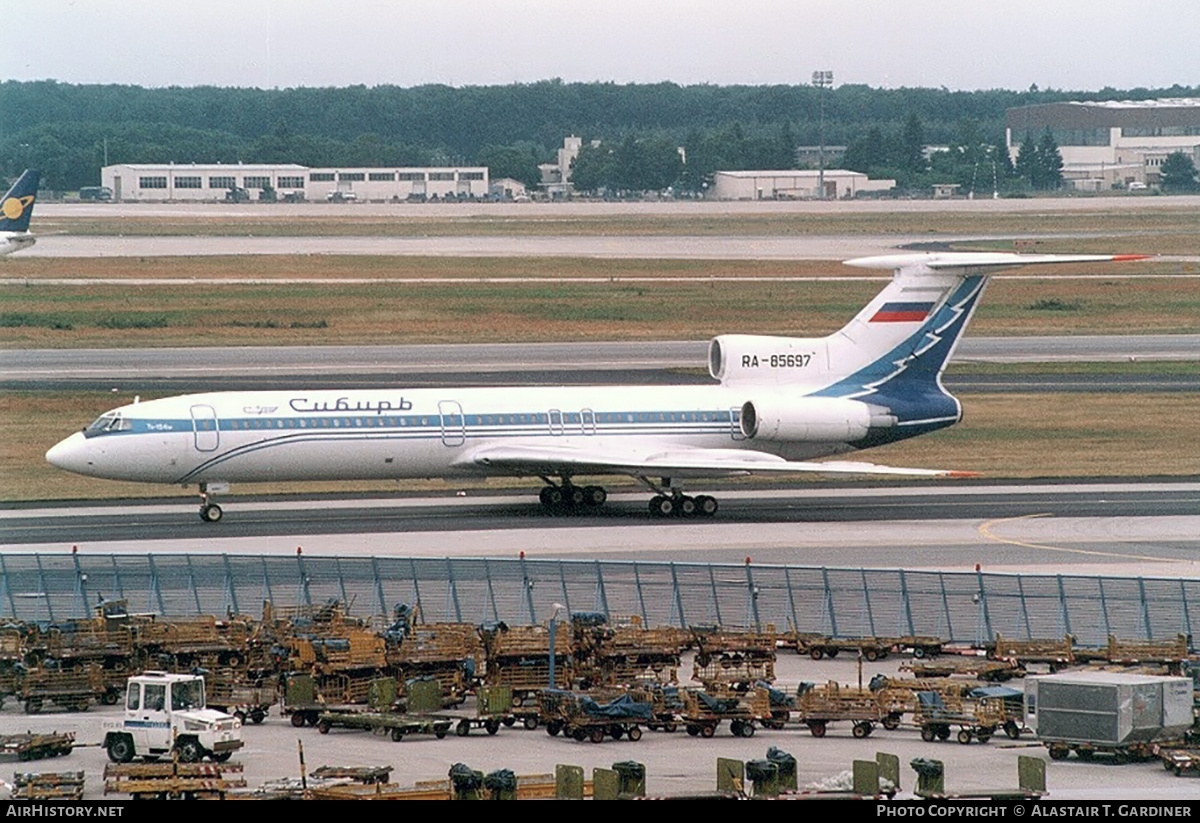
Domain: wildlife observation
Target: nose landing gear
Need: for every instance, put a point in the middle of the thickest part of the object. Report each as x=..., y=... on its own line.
x=209, y=512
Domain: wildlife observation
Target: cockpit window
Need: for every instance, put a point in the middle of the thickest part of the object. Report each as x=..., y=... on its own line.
x=108, y=423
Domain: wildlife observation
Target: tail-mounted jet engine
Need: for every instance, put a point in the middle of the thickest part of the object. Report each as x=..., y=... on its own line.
x=784, y=417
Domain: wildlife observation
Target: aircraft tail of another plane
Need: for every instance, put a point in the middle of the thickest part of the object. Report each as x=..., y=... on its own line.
x=16, y=208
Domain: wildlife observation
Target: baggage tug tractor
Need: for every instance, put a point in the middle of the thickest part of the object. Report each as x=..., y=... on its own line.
x=165, y=713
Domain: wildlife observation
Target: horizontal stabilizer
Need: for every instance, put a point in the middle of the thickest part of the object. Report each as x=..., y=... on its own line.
x=939, y=261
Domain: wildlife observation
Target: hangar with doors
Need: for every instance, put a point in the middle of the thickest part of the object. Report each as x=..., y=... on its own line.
x=1109, y=144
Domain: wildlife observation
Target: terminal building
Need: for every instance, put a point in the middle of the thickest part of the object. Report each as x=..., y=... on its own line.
x=212, y=182
x=1112, y=143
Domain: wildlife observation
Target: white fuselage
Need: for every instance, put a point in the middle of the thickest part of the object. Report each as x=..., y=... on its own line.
x=384, y=434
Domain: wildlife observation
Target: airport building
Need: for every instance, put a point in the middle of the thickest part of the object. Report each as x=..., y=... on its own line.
x=788, y=184
x=212, y=182
x=1112, y=143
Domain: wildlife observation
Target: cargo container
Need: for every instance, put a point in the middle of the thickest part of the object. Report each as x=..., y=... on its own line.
x=1107, y=712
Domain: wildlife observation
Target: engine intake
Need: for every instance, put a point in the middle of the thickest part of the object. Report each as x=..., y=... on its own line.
x=743, y=358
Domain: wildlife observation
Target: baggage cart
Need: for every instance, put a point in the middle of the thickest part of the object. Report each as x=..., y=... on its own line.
x=396, y=725
x=1179, y=759
x=31, y=746
x=245, y=701
x=938, y=714
x=172, y=780
x=703, y=711
x=593, y=716
x=71, y=689
x=819, y=706
x=48, y=786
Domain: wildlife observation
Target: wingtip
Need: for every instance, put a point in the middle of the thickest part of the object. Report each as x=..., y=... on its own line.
x=958, y=475
x=1124, y=258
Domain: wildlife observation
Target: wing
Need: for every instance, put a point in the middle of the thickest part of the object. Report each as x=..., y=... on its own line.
x=535, y=459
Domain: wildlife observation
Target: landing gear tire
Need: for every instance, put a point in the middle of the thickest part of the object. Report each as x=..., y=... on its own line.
x=210, y=512
x=594, y=497
x=662, y=506
x=706, y=506
x=687, y=506
x=552, y=498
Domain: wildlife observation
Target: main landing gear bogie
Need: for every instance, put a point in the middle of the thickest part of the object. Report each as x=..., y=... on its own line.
x=569, y=498
x=681, y=505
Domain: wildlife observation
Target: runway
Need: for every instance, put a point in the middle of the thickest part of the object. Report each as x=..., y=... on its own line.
x=614, y=247
x=1145, y=527
x=576, y=209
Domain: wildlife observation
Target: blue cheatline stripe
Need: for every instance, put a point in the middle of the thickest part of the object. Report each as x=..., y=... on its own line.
x=490, y=423
x=434, y=434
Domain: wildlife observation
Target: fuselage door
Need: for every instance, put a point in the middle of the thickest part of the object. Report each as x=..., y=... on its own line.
x=587, y=421
x=204, y=426
x=555, y=418
x=735, y=424
x=454, y=427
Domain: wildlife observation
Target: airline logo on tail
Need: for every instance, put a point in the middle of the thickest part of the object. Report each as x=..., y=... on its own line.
x=14, y=207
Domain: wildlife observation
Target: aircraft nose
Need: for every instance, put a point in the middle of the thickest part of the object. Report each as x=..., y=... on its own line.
x=70, y=454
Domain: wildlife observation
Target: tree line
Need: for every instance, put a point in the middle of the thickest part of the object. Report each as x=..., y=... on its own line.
x=652, y=136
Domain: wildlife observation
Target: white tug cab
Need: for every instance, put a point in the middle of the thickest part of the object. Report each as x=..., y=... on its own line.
x=165, y=714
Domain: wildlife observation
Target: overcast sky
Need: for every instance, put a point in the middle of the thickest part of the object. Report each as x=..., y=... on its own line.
x=960, y=44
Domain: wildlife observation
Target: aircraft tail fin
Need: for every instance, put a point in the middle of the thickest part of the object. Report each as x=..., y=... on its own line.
x=894, y=351
x=16, y=208
x=905, y=335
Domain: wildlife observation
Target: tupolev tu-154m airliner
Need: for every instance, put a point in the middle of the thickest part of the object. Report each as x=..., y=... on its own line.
x=780, y=404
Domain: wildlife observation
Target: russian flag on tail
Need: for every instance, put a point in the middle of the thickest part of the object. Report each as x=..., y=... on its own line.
x=902, y=313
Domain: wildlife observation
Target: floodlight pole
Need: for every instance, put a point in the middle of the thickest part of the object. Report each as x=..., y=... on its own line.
x=822, y=80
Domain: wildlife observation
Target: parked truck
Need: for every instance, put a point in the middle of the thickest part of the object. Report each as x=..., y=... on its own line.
x=166, y=714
